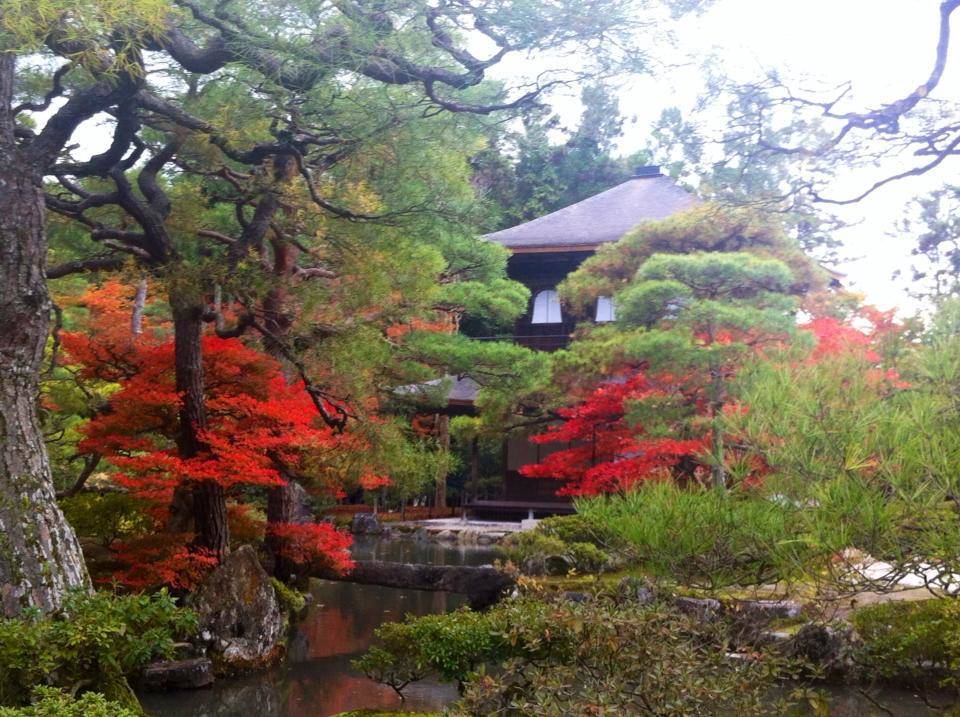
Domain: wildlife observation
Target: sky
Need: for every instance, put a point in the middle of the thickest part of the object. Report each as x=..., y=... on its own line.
x=885, y=48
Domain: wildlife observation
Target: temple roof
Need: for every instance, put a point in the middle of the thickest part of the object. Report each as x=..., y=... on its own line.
x=602, y=218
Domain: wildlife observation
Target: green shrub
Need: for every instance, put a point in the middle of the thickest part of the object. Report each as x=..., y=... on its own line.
x=453, y=645
x=624, y=659
x=105, y=516
x=703, y=538
x=552, y=657
x=95, y=640
x=449, y=646
x=579, y=542
x=580, y=529
x=51, y=702
x=907, y=639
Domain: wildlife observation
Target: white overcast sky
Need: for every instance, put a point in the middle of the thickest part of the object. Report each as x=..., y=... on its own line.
x=884, y=47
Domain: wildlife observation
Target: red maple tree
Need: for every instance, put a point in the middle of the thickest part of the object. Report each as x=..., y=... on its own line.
x=609, y=453
x=261, y=430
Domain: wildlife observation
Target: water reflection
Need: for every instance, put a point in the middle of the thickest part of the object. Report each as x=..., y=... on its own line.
x=366, y=547
x=316, y=679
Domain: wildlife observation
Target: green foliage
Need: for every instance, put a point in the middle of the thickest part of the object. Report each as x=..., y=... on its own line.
x=448, y=645
x=869, y=452
x=453, y=645
x=706, y=228
x=292, y=601
x=95, y=640
x=906, y=639
x=24, y=26
x=552, y=657
x=527, y=174
x=52, y=702
x=701, y=538
x=105, y=516
x=385, y=713
x=584, y=545
x=580, y=529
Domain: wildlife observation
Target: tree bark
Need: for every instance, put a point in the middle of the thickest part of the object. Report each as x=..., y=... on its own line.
x=139, y=302
x=40, y=558
x=284, y=506
x=282, y=500
x=443, y=437
x=206, y=500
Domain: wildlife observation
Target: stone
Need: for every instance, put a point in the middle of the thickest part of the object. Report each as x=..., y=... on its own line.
x=366, y=524
x=822, y=645
x=703, y=609
x=751, y=619
x=767, y=610
x=636, y=590
x=469, y=536
x=239, y=614
x=302, y=505
x=445, y=536
x=485, y=539
x=482, y=586
x=421, y=535
x=188, y=674
x=557, y=565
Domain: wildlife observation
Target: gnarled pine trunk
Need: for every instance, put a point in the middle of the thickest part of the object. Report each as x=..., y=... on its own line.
x=283, y=501
x=40, y=558
x=207, y=500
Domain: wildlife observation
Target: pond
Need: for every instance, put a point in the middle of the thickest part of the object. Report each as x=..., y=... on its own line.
x=316, y=679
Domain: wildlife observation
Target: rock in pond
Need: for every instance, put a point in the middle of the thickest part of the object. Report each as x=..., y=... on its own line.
x=177, y=675
x=239, y=614
x=366, y=524
x=828, y=647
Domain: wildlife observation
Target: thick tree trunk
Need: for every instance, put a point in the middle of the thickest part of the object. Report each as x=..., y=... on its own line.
x=443, y=437
x=40, y=558
x=284, y=506
x=210, y=518
x=283, y=501
x=209, y=506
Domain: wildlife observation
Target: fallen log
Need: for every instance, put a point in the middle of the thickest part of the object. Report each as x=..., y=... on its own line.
x=482, y=586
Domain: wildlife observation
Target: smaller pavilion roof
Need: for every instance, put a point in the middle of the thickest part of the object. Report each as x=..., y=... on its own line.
x=602, y=218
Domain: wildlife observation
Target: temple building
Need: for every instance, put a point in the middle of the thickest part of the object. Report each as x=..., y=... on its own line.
x=543, y=252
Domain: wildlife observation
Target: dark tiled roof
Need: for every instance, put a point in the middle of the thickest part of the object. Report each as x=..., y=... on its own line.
x=460, y=389
x=602, y=218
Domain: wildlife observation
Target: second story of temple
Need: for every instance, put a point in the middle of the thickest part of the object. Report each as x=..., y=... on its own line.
x=545, y=250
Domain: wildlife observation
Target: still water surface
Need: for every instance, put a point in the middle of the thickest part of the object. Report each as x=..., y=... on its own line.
x=316, y=679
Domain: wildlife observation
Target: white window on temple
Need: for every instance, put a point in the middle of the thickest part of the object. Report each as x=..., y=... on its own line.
x=546, y=308
x=606, y=311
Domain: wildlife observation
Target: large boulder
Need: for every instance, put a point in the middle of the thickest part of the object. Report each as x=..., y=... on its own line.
x=239, y=613
x=366, y=524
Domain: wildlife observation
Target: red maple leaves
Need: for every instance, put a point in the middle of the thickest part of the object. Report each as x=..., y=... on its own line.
x=260, y=430
x=608, y=452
